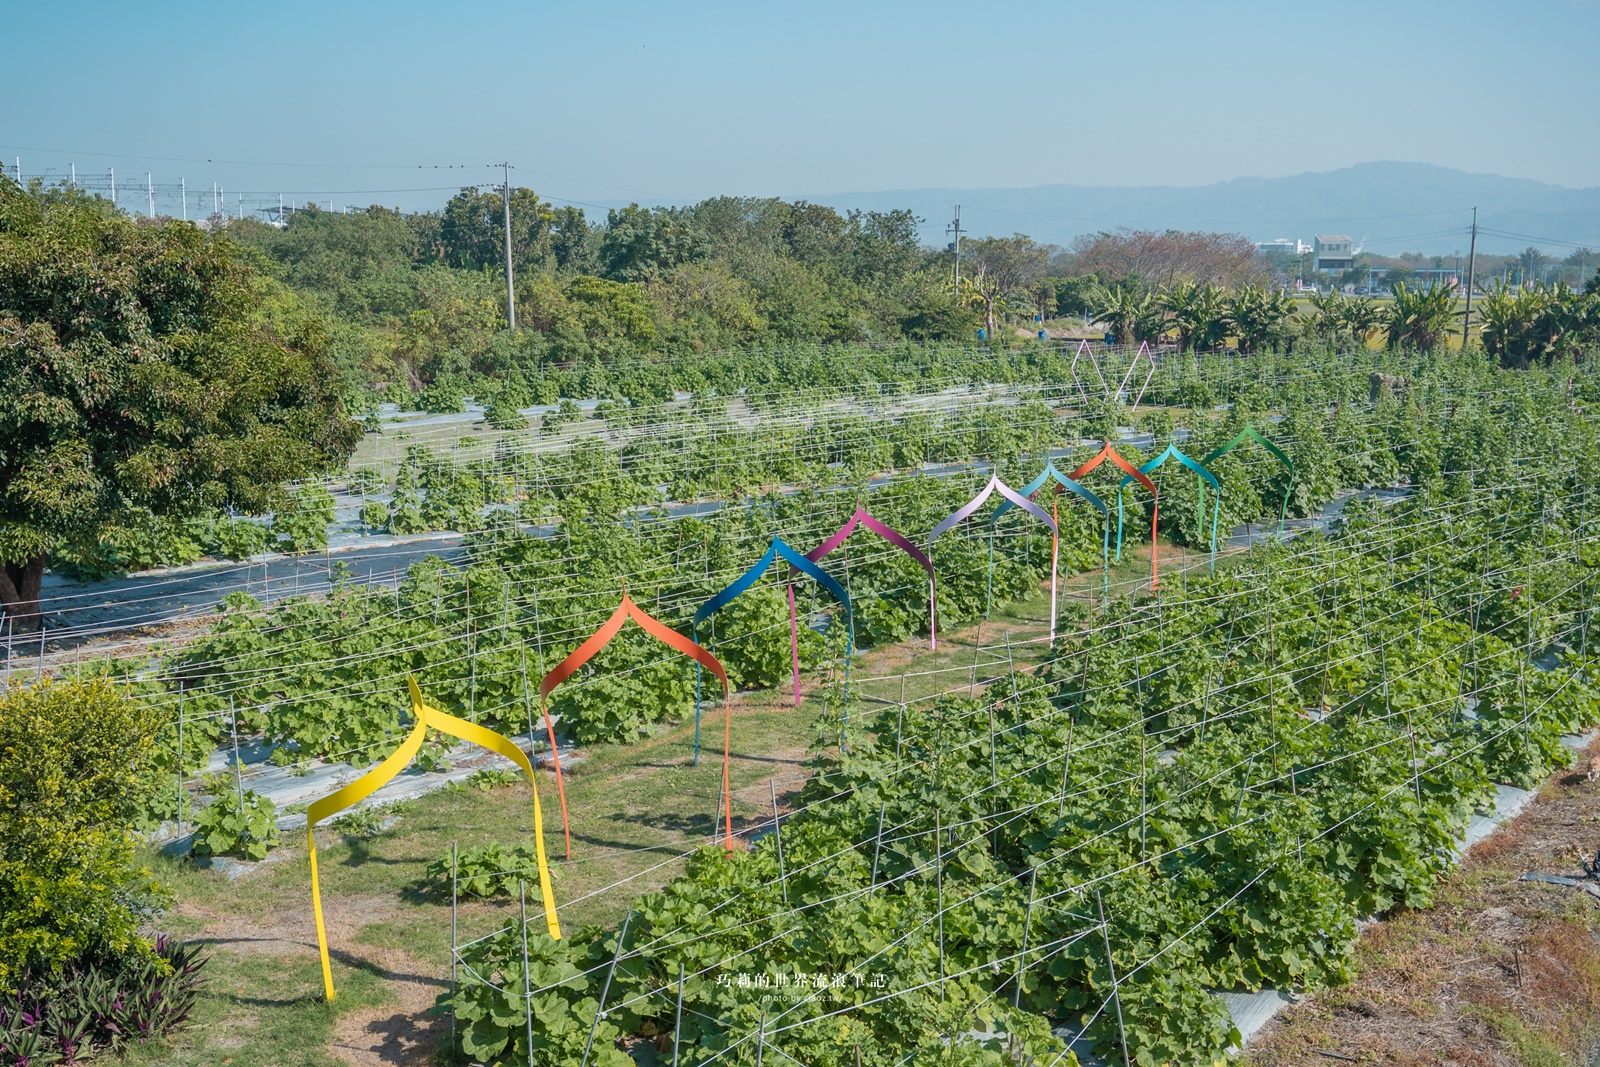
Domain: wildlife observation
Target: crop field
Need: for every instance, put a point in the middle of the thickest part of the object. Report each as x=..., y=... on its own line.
x=1148, y=755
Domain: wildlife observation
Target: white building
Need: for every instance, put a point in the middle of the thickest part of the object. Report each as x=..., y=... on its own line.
x=1294, y=246
x=1333, y=252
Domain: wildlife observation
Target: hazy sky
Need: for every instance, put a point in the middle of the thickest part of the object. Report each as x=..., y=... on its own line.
x=602, y=101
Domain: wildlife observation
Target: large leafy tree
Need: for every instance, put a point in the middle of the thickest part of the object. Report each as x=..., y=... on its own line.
x=1002, y=268
x=138, y=369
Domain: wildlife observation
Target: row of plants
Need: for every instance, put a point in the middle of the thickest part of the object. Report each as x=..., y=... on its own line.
x=1231, y=775
x=714, y=456
x=316, y=677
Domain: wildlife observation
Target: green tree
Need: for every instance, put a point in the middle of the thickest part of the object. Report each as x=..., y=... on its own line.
x=1130, y=314
x=1420, y=318
x=1198, y=312
x=473, y=231
x=637, y=241
x=73, y=776
x=140, y=371
x=1261, y=319
x=1003, y=269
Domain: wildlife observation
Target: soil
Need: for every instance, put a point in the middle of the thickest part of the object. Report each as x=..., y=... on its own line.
x=1498, y=973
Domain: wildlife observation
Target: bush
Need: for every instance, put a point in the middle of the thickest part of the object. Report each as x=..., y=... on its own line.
x=487, y=871
x=302, y=522
x=240, y=538
x=99, y=1003
x=503, y=415
x=74, y=762
x=226, y=826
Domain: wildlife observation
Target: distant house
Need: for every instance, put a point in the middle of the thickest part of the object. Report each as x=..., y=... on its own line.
x=1294, y=246
x=1332, y=251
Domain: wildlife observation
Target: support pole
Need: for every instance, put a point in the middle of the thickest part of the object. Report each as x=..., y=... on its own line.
x=599, y=1008
x=777, y=837
x=511, y=299
x=1111, y=965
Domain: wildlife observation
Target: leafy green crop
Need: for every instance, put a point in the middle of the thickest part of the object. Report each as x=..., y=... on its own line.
x=228, y=827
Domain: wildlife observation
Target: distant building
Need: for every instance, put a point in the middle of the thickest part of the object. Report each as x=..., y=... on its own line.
x=1332, y=252
x=1293, y=246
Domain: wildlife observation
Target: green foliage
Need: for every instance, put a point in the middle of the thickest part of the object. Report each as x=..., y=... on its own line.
x=228, y=827
x=442, y=396
x=503, y=415
x=1420, y=318
x=74, y=760
x=301, y=522
x=486, y=871
x=369, y=820
x=210, y=387
x=99, y=1003
x=489, y=777
x=1539, y=325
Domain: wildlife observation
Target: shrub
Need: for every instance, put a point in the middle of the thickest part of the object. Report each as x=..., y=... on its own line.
x=227, y=825
x=487, y=871
x=302, y=522
x=503, y=415
x=370, y=821
x=240, y=538
x=74, y=761
x=98, y=1003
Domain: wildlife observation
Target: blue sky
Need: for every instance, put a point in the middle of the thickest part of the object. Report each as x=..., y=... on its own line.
x=606, y=101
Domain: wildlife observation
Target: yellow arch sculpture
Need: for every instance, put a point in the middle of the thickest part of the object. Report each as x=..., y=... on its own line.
x=380, y=775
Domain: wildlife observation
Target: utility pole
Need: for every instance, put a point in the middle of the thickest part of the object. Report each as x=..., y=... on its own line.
x=955, y=228
x=150, y=194
x=280, y=209
x=74, y=167
x=183, y=191
x=1472, y=263
x=113, y=186
x=511, y=301
x=19, y=169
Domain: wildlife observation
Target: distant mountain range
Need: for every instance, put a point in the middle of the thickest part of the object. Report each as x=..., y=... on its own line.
x=1387, y=208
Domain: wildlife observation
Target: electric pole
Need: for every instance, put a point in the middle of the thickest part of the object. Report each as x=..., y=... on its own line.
x=74, y=167
x=150, y=193
x=955, y=228
x=113, y=186
x=183, y=191
x=1472, y=262
x=511, y=300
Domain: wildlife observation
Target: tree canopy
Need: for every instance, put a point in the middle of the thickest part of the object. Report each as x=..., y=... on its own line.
x=144, y=366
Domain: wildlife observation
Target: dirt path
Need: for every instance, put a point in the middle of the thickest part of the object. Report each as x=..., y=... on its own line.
x=1498, y=973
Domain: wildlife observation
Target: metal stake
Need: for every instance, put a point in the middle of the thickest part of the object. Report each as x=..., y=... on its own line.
x=777, y=836
x=527, y=985
x=599, y=1008
x=1111, y=964
x=1027, y=921
x=677, y=1026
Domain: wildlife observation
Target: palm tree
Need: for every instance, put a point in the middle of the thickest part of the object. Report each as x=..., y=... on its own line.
x=1420, y=318
x=1129, y=314
x=1200, y=314
x=1327, y=319
x=1362, y=318
x=1521, y=327
x=1261, y=319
